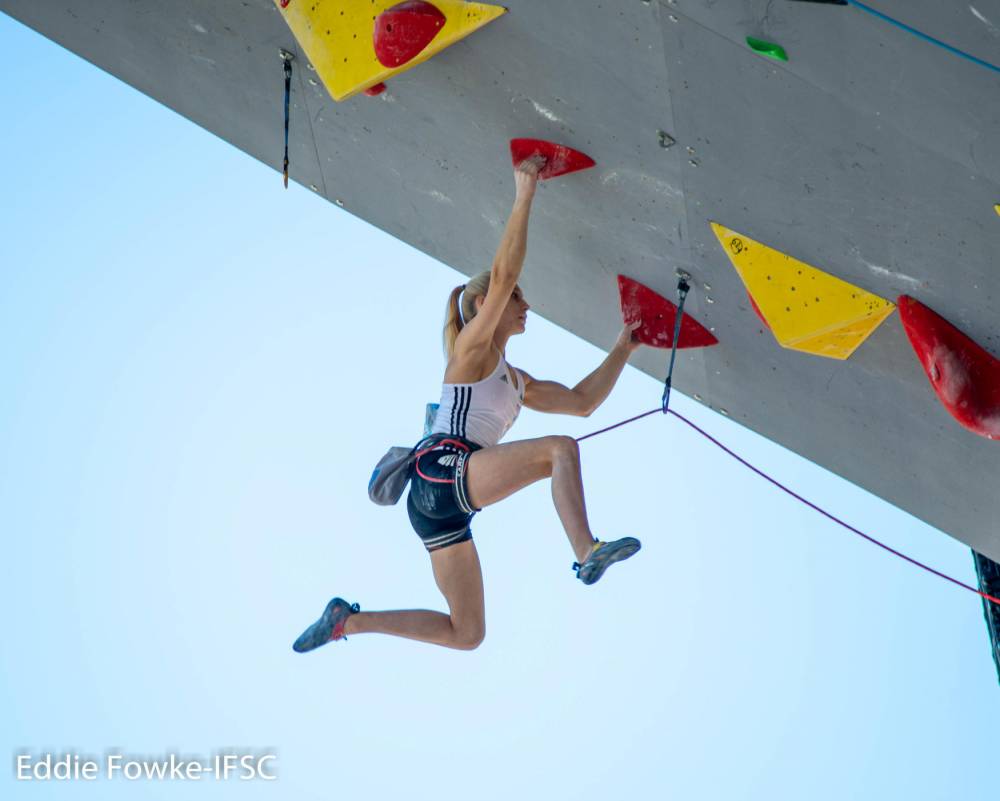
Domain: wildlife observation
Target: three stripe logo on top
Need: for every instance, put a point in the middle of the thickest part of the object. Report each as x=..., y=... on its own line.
x=460, y=410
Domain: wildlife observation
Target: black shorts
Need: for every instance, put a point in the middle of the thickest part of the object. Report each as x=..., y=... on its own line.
x=438, y=503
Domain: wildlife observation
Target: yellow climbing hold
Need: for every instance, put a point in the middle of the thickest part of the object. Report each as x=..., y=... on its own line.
x=805, y=308
x=996, y=208
x=337, y=37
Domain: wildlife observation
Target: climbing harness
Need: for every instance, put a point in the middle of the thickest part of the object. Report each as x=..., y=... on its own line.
x=454, y=443
x=682, y=290
x=286, y=59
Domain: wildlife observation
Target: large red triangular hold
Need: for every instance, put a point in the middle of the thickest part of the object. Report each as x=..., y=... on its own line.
x=559, y=159
x=965, y=377
x=658, y=314
x=402, y=31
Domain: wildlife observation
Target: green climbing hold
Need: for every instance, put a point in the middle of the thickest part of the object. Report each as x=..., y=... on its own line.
x=769, y=49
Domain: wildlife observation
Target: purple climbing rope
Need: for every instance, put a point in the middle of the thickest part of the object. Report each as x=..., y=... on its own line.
x=799, y=498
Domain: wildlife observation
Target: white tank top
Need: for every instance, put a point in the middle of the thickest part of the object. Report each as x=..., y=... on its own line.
x=484, y=411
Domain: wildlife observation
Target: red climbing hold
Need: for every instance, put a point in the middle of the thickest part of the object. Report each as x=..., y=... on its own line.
x=965, y=377
x=376, y=90
x=559, y=159
x=402, y=31
x=658, y=314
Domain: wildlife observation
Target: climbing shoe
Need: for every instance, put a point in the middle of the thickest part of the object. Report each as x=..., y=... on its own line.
x=329, y=627
x=603, y=555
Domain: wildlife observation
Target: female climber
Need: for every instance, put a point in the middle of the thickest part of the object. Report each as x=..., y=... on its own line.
x=460, y=468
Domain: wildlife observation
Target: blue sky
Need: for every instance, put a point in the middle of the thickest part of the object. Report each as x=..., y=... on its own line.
x=201, y=370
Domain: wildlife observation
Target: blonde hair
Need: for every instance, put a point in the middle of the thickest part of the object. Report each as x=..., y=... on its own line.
x=454, y=318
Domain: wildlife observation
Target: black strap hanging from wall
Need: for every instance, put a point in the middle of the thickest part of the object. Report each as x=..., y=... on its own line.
x=682, y=289
x=287, y=59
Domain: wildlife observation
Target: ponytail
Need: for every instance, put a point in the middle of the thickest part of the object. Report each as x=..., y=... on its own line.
x=458, y=314
x=452, y=322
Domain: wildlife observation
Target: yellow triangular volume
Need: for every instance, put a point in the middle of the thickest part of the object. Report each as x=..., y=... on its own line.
x=806, y=309
x=336, y=36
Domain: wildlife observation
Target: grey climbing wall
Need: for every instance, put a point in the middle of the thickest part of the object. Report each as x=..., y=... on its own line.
x=870, y=154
